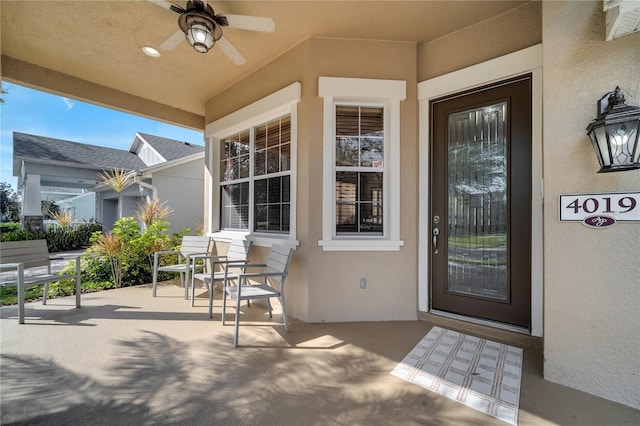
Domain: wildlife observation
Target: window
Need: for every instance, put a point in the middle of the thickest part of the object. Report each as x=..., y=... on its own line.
x=361, y=182
x=256, y=162
x=359, y=154
x=254, y=151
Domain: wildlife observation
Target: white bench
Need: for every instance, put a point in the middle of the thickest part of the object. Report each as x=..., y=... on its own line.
x=19, y=256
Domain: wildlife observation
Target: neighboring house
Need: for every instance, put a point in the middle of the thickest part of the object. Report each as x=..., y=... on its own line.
x=68, y=173
x=290, y=159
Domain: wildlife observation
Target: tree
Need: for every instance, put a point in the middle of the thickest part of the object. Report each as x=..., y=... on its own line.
x=118, y=180
x=9, y=203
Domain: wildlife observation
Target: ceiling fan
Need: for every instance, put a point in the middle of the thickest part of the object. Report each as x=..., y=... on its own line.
x=203, y=28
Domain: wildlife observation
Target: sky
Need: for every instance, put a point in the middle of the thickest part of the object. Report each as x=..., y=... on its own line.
x=38, y=113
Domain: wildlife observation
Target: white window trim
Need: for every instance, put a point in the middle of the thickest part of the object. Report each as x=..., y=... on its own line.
x=387, y=93
x=283, y=102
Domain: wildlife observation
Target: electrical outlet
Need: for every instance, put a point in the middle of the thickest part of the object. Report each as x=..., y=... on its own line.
x=363, y=283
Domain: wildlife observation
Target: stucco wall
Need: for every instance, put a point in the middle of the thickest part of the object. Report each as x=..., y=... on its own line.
x=512, y=31
x=592, y=277
x=391, y=292
x=324, y=286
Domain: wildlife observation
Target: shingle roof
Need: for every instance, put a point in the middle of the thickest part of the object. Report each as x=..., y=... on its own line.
x=56, y=151
x=171, y=149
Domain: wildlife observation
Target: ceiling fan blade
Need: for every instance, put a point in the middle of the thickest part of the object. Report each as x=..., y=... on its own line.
x=251, y=23
x=165, y=4
x=231, y=51
x=172, y=41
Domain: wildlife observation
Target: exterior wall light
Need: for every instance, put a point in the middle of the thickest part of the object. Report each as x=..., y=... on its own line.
x=615, y=134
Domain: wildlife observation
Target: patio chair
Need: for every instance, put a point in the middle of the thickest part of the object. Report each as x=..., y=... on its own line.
x=191, y=246
x=219, y=268
x=265, y=284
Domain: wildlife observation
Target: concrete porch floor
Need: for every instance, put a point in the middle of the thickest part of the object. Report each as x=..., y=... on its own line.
x=126, y=358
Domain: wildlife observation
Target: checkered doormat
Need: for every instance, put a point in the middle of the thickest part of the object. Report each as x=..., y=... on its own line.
x=479, y=373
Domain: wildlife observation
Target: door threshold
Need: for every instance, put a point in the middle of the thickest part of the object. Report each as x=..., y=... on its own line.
x=486, y=328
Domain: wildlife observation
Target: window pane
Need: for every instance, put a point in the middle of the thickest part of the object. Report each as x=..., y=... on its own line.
x=261, y=163
x=274, y=190
x=261, y=217
x=273, y=160
x=370, y=186
x=272, y=204
x=274, y=217
x=261, y=137
x=346, y=186
x=359, y=136
x=234, y=209
x=243, y=166
x=370, y=218
x=347, y=151
x=347, y=121
x=275, y=136
x=285, y=157
x=371, y=121
x=260, y=191
x=346, y=218
x=359, y=201
x=235, y=157
x=372, y=152
x=286, y=197
x=273, y=133
x=285, y=218
x=285, y=129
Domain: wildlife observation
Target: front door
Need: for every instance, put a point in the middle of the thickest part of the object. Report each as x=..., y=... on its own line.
x=481, y=203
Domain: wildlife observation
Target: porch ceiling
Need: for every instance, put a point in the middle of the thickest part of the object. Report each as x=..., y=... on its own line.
x=99, y=41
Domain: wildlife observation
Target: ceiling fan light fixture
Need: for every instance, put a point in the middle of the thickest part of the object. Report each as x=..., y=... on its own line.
x=200, y=38
x=200, y=30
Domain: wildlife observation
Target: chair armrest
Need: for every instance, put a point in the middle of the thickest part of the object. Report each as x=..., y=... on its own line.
x=167, y=252
x=262, y=274
x=7, y=266
x=256, y=265
x=68, y=257
x=236, y=262
x=208, y=256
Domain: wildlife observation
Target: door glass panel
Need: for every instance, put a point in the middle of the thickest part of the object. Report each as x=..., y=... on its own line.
x=477, y=202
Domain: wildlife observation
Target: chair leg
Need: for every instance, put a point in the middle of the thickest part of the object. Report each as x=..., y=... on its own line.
x=284, y=313
x=269, y=307
x=211, y=285
x=193, y=291
x=78, y=282
x=224, y=302
x=45, y=291
x=155, y=274
x=235, y=338
x=21, y=294
x=185, y=285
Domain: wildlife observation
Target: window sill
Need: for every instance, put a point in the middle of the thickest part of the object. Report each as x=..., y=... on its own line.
x=360, y=245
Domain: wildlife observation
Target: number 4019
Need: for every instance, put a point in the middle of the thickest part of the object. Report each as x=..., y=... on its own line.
x=603, y=205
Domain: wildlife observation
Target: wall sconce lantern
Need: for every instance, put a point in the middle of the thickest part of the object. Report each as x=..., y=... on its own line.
x=615, y=134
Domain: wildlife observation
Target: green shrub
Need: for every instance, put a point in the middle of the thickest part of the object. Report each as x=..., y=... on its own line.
x=60, y=239
x=9, y=226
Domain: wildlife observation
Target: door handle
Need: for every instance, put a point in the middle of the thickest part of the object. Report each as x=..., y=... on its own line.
x=435, y=234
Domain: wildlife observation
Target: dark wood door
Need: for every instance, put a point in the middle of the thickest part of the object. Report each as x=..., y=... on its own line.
x=481, y=203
